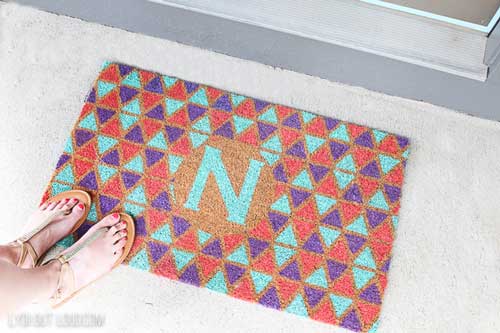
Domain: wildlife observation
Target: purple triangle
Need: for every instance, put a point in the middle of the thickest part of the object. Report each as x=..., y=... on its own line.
x=298, y=196
x=371, y=170
x=195, y=111
x=351, y=322
x=156, y=113
x=402, y=141
x=157, y=250
x=371, y=294
x=129, y=179
x=104, y=115
x=135, y=135
x=82, y=136
x=91, y=96
x=279, y=173
x=270, y=299
x=265, y=130
x=333, y=219
x=297, y=150
x=190, y=276
x=257, y=246
x=335, y=269
x=154, y=86
x=385, y=266
x=112, y=158
x=124, y=69
x=353, y=194
x=180, y=225
x=313, y=244
x=225, y=130
x=82, y=230
x=140, y=226
x=364, y=140
x=153, y=156
x=331, y=123
x=63, y=159
x=393, y=192
x=354, y=242
x=313, y=296
x=338, y=149
x=190, y=86
x=107, y=204
x=223, y=103
x=259, y=105
x=318, y=171
x=89, y=181
x=291, y=271
x=233, y=272
x=173, y=133
x=374, y=217
x=126, y=94
x=162, y=202
x=277, y=220
x=293, y=121
x=213, y=249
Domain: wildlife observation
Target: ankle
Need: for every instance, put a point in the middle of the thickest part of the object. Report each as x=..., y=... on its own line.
x=52, y=274
x=10, y=253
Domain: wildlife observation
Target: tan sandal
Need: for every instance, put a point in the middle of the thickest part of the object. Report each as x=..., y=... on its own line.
x=66, y=284
x=23, y=241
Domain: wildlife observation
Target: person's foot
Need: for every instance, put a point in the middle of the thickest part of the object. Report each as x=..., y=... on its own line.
x=98, y=257
x=56, y=230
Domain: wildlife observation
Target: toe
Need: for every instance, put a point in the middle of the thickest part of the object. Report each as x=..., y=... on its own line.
x=44, y=205
x=118, y=236
x=69, y=203
x=108, y=220
x=118, y=251
x=61, y=204
x=52, y=205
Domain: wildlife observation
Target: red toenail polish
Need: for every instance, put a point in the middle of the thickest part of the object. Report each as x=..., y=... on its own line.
x=66, y=200
x=116, y=215
x=81, y=206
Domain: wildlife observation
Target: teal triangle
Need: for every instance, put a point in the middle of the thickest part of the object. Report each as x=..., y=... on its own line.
x=358, y=225
x=106, y=172
x=58, y=188
x=343, y=179
x=269, y=157
x=239, y=255
x=169, y=81
x=103, y=88
x=217, y=283
x=387, y=162
x=105, y=64
x=173, y=105
x=340, y=133
x=66, y=175
x=329, y=235
x=365, y=258
x=203, y=125
x=273, y=143
x=68, y=148
x=395, y=221
x=307, y=116
x=105, y=142
x=324, y=203
x=260, y=280
x=203, y=236
x=303, y=180
x=237, y=99
x=132, y=80
x=200, y=97
x=318, y=278
x=241, y=123
x=89, y=122
x=140, y=261
x=282, y=254
x=361, y=277
x=127, y=120
x=92, y=213
x=297, y=306
x=163, y=234
x=197, y=139
x=135, y=165
x=379, y=135
x=406, y=153
x=347, y=163
x=133, y=107
x=374, y=327
x=282, y=205
x=158, y=141
x=269, y=116
x=66, y=241
x=313, y=143
x=137, y=195
x=378, y=201
x=287, y=237
x=174, y=162
x=133, y=209
x=181, y=258
x=340, y=304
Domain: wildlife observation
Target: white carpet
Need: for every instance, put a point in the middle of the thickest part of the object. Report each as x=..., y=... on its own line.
x=445, y=274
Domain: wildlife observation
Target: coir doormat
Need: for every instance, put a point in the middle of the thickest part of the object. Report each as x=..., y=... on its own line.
x=255, y=200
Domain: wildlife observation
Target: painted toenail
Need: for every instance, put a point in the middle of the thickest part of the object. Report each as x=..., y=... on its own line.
x=115, y=215
x=66, y=200
x=81, y=206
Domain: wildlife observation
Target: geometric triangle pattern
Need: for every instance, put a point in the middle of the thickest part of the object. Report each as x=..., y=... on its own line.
x=308, y=211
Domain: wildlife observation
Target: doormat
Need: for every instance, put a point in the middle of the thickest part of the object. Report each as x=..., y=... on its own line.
x=259, y=201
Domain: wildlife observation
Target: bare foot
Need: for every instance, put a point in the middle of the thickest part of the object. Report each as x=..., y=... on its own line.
x=56, y=230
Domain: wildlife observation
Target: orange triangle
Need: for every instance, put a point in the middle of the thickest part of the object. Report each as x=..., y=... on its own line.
x=217, y=118
x=381, y=251
x=150, y=99
x=88, y=151
x=362, y=156
x=110, y=74
x=177, y=91
x=294, y=166
x=244, y=290
x=304, y=229
x=349, y=211
x=322, y=156
x=310, y=262
x=328, y=187
x=325, y=313
x=187, y=241
x=165, y=267
x=87, y=108
x=246, y=109
x=289, y=136
x=111, y=100
x=317, y=127
x=389, y=145
x=265, y=263
x=82, y=167
x=344, y=285
x=180, y=118
x=396, y=175
x=129, y=150
x=153, y=187
x=145, y=77
x=280, y=189
x=395, y=209
x=207, y=264
x=368, y=313
x=286, y=289
x=262, y=230
x=249, y=136
x=355, y=130
x=308, y=211
x=339, y=251
x=213, y=93
x=383, y=232
x=158, y=170
x=181, y=146
x=368, y=186
x=111, y=128
x=283, y=111
x=113, y=187
x=231, y=242
x=382, y=279
x=155, y=219
x=151, y=127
